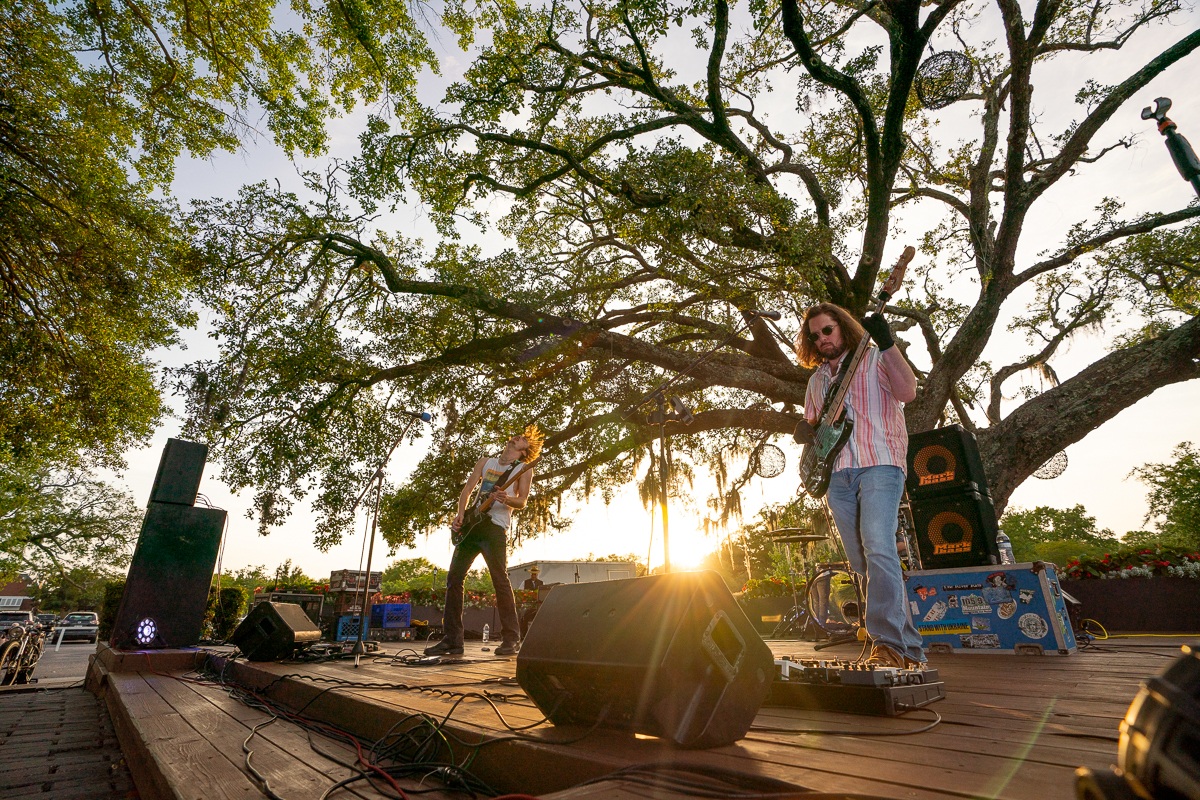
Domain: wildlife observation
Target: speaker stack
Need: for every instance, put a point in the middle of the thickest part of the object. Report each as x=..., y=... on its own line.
x=952, y=507
x=670, y=655
x=166, y=591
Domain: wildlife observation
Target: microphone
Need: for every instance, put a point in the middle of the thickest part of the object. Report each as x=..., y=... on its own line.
x=424, y=416
x=775, y=315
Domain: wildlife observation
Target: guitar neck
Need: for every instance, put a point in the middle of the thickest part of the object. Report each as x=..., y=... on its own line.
x=833, y=408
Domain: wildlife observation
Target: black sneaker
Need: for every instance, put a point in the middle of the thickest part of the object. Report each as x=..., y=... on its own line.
x=508, y=649
x=444, y=648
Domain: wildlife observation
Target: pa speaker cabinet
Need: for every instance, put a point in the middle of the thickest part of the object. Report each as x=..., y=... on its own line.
x=179, y=473
x=274, y=630
x=669, y=655
x=943, y=461
x=956, y=530
x=166, y=592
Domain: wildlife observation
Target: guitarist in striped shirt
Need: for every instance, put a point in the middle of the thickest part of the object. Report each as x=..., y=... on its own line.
x=489, y=538
x=867, y=481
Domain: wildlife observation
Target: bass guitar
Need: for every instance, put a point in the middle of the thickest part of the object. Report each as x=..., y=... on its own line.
x=477, y=512
x=832, y=429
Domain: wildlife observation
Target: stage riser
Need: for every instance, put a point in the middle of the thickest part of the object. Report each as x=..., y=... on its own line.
x=512, y=767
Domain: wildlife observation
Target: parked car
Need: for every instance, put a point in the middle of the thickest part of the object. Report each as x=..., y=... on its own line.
x=23, y=618
x=79, y=625
x=47, y=621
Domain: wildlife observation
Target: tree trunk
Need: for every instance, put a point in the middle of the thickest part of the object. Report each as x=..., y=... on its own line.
x=1022, y=441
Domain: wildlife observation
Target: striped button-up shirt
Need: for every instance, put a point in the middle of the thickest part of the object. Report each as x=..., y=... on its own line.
x=879, y=436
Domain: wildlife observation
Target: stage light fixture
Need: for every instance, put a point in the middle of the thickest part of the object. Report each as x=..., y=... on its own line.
x=146, y=632
x=1158, y=757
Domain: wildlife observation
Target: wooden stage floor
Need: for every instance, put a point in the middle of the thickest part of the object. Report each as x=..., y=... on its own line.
x=1013, y=727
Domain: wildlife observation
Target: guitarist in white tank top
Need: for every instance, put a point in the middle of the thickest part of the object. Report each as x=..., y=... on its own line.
x=489, y=539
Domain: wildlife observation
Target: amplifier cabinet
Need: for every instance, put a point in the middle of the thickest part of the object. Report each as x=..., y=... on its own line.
x=956, y=530
x=944, y=460
x=1014, y=608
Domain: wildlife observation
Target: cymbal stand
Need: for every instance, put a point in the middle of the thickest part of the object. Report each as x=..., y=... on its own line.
x=846, y=638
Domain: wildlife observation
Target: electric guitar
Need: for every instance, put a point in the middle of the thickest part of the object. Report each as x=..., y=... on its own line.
x=477, y=512
x=832, y=430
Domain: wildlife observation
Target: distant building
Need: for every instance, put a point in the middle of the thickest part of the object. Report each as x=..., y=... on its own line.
x=14, y=596
x=550, y=572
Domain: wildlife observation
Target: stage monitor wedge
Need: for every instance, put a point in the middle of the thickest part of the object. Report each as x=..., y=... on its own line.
x=944, y=461
x=669, y=655
x=272, y=631
x=179, y=471
x=956, y=530
x=169, y=578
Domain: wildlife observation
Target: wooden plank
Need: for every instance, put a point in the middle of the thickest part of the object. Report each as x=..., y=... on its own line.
x=172, y=760
x=286, y=773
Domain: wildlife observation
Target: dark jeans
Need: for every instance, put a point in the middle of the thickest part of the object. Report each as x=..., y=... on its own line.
x=489, y=540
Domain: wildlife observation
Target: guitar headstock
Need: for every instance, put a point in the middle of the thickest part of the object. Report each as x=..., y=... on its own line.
x=892, y=284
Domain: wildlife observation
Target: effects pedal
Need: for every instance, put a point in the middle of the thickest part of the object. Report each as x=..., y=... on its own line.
x=855, y=688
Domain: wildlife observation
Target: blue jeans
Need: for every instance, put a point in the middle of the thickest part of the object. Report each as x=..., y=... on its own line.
x=865, y=503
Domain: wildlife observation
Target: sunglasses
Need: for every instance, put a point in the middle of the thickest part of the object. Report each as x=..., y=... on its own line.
x=826, y=331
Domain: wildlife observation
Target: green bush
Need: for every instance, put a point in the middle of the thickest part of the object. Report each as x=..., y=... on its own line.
x=110, y=601
x=227, y=610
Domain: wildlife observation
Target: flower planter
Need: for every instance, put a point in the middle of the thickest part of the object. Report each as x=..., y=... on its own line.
x=1145, y=605
x=764, y=612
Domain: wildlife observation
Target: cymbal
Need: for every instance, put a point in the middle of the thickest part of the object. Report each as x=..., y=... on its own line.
x=793, y=535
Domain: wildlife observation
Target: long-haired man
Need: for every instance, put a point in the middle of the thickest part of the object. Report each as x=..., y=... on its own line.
x=868, y=475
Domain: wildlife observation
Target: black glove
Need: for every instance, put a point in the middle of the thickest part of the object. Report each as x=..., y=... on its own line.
x=877, y=326
x=804, y=432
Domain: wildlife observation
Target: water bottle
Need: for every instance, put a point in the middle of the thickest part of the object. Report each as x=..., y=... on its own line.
x=487, y=630
x=1005, y=548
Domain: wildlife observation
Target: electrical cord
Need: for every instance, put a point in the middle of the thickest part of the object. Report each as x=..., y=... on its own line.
x=420, y=745
x=266, y=787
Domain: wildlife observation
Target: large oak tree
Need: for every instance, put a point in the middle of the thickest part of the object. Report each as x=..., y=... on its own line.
x=644, y=159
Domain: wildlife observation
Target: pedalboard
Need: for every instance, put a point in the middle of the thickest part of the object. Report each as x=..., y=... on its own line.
x=855, y=688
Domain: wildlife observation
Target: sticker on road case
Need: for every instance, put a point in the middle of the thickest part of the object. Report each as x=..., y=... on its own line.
x=943, y=628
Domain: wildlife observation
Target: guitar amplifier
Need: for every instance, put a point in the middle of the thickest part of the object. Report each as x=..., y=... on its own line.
x=944, y=460
x=956, y=530
x=1014, y=608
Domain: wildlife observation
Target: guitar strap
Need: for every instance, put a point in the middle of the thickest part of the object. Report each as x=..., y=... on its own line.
x=500, y=481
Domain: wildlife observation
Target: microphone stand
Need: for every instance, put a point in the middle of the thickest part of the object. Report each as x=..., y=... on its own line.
x=359, y=648
x=660, y=416
x=1180, y=149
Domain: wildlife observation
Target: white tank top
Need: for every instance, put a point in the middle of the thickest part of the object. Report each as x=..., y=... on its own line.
x=492, y=472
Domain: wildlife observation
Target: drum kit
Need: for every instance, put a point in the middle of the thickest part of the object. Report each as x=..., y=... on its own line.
x=832, y=592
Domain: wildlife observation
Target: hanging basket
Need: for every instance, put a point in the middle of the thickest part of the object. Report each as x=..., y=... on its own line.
x=944, y=78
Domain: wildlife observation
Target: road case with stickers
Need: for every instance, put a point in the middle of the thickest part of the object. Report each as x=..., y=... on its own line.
x=1013, y=608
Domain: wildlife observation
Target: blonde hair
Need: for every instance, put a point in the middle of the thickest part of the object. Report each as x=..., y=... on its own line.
x=535, y=438
x=806, y=349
